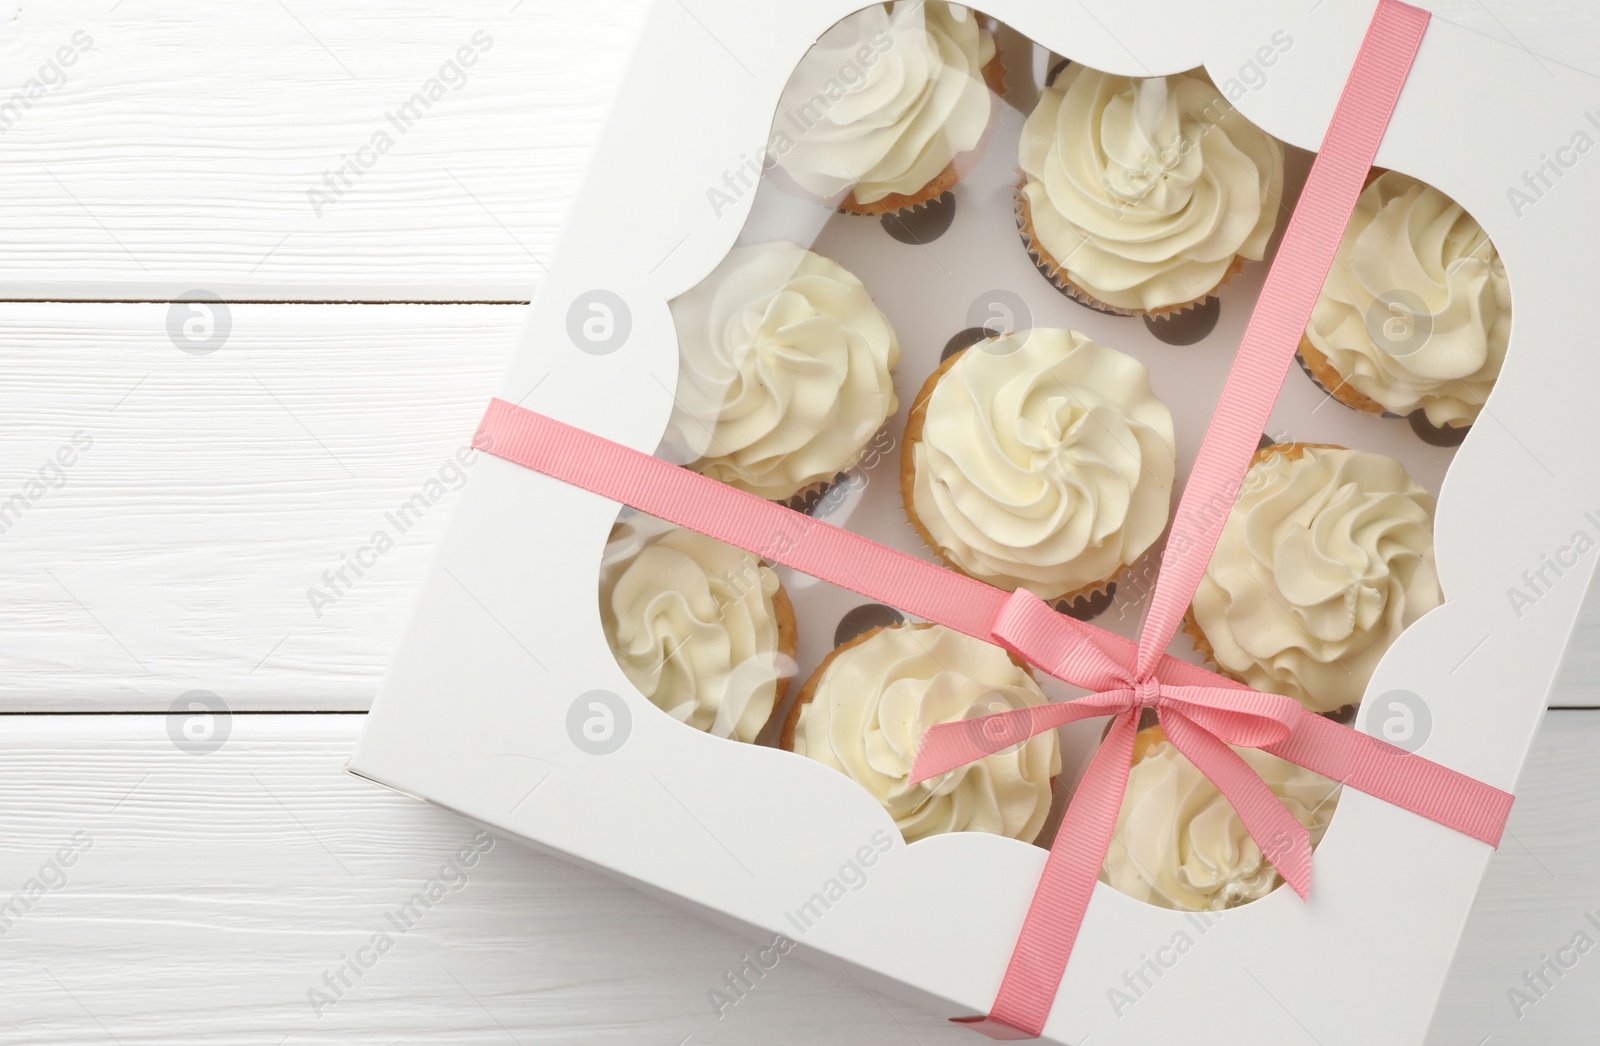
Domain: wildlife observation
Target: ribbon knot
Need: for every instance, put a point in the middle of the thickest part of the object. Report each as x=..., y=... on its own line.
x=1147, y=692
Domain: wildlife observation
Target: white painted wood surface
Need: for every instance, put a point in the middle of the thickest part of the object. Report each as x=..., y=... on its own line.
x=179, y=550
x=180, y=149
x=176, y=155
x=216, y=891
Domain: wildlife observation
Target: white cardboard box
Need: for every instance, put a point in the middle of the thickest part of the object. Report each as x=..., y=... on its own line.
x=506, y=637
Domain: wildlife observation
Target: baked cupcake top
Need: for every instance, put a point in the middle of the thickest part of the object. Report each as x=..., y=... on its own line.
x=874, y=698
x=1416, y=311
x=1145, y=190
x=696, y=625
x=885, y=100
x=1326, y=557
x=1179, y=843
x=784, y=367
x=1044, y=462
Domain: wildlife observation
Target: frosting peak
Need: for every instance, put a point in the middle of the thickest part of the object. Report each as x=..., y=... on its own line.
x=1146, y=190
x=1044, y=462
x=695, y=625
x=784, y=365
x=1416, y=311
x=885, y=100
x=1324, y=560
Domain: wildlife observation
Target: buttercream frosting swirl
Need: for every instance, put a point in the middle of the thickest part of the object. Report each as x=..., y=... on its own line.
x=1145, y=190
x=1179, y=843
x=1416, y=311
x=1045, y=462
x=784, y=371
x=694, y=625
x=885, y=100
x=875, y=700
x=1323, y=562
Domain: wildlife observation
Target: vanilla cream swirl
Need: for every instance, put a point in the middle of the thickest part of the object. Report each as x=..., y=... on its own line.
x=693, y=624
x=784, y=367
x=1416, y=311
x=1322, y=563
x=1145, y=190
x=1179, y=843
x=1045, y=462
x=874, y=701
x=885, y=100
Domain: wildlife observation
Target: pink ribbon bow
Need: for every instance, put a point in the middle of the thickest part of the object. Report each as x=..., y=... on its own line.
x=1200, y=721
x=1202, y=713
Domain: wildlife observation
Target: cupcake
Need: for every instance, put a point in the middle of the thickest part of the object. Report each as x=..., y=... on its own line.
x=1178, y=842
x=1041, y=460
x=1416, y=311
x=784, y=371
x=1326, y=557
x=865, y=709
x=1144, y=195
x=887, y=110
x=703, y=629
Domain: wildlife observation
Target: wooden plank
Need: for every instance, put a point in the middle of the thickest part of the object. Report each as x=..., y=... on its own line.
x=177, y=509
x=242, y=154
x=178, y=150
x=211, y=894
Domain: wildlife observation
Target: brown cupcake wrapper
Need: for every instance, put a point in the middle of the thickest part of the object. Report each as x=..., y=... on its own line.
x=788, y=647
x=1323, y=372
x=1320, y=369
x=1059, y=277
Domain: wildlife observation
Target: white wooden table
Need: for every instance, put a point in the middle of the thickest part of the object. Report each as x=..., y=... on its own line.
x=357, y=332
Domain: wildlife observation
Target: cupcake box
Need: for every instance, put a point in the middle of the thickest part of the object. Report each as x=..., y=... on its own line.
x=506, y=704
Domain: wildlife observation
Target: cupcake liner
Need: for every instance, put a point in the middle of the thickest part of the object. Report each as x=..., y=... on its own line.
x=915, y=419
x=897, y=203
x=1320, y=369
x=807, y=497
x=1059, y=277
x=788, y=647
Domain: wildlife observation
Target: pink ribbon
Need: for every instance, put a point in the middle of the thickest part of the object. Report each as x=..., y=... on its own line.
x=1202, y=713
